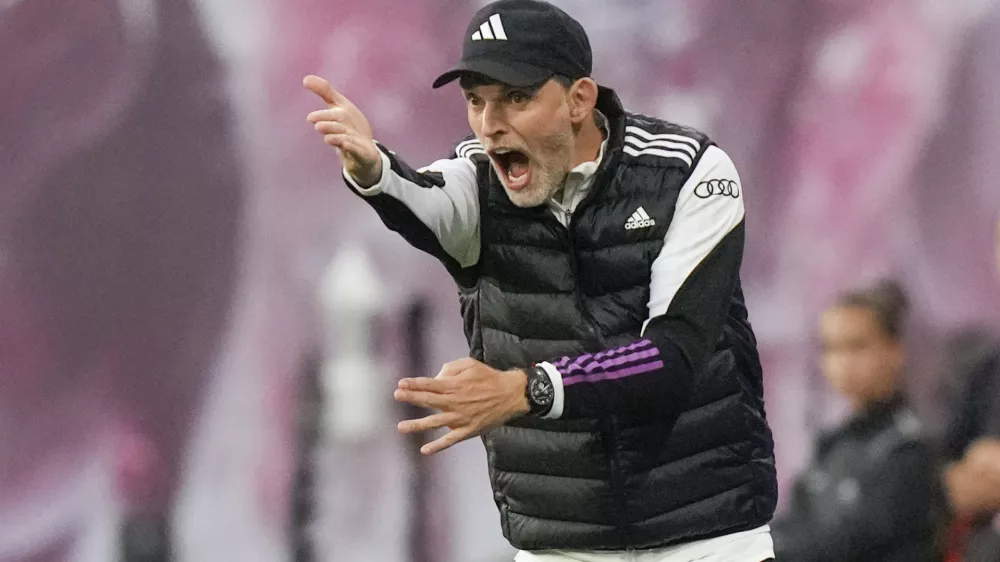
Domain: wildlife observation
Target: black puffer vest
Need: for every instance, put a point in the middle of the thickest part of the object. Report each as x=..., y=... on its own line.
x=543, y=291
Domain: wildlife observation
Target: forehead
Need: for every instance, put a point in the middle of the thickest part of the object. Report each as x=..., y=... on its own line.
x=487, y=89
x=474, y=81
x=847, y=320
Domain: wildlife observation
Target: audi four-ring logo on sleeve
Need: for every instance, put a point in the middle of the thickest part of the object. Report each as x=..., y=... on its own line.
x=728, y=188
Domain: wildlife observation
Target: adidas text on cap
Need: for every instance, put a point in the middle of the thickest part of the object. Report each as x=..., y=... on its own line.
x=522, y=43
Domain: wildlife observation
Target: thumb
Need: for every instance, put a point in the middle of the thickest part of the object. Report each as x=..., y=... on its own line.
x=323, y=89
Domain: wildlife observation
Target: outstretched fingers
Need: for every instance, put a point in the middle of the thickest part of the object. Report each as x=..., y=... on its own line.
x=433, y=421
x=323, y=89
x=453, y=437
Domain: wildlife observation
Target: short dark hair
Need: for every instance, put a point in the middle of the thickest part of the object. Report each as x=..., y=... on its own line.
x=886, y=299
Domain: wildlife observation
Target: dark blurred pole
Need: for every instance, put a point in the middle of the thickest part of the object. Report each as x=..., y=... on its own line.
x=416, y=365
x=308, y=429
x=146, y=538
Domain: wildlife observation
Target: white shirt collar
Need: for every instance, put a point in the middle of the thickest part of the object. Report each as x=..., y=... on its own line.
x=589, y=168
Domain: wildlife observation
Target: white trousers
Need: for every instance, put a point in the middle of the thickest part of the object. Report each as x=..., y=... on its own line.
x=748, y=546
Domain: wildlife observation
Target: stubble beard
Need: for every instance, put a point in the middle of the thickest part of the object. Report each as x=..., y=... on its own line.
x=549, y=172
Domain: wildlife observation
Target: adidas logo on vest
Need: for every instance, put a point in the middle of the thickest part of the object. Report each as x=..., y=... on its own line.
x=639, y=219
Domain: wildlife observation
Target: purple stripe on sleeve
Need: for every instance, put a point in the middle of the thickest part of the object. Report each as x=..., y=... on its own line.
x=612, y=375
x=581, y=362
x=646, y=354
x=599, y=371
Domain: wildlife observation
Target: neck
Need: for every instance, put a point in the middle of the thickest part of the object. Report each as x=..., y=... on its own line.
x=588, y=143
x=864, y=404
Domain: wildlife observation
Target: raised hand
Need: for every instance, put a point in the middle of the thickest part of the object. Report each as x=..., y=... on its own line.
x=345, y=128
x=472, y=398
x=973, y=483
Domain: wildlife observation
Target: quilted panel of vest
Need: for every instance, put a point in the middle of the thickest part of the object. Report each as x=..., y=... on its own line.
x=539, y=446
x=636, y=208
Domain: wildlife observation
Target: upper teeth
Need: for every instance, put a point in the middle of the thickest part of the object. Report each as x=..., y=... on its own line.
x=503, y=150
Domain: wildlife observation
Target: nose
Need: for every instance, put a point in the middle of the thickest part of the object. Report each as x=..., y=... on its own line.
x=494, y=120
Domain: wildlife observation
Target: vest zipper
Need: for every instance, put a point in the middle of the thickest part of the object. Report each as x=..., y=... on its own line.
x=617, y=486
x=574, y=268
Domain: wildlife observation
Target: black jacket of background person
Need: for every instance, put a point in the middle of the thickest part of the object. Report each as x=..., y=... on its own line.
x=977, y=415
x=681, y=453
x=870, y=494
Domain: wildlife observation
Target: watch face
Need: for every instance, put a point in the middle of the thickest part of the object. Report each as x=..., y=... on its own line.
x=541, y=392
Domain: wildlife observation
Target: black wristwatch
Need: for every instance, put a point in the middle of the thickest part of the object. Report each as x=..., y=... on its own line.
x=539, y=391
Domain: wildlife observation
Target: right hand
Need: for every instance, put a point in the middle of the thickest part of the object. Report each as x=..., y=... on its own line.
x=345, y=128
x=984, y=454
x=973, y=483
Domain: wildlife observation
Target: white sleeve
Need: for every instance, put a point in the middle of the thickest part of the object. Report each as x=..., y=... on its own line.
x=449, y=208
x=708, y=208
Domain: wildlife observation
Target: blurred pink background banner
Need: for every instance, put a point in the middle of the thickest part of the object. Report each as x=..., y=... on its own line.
x=166, y=215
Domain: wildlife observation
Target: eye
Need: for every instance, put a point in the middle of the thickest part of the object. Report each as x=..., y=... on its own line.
x=517, y=96
x=473, y=99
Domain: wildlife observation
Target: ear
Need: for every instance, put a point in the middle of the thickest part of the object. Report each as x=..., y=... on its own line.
x=582, y=99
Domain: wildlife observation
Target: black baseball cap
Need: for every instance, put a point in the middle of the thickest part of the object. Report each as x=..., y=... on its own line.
x=522, y=43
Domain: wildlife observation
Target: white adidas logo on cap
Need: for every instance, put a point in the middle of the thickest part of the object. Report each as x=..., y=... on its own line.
x=492, y=29
x=639, y=219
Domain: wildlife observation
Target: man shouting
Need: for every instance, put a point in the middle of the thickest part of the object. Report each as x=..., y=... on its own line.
x=613, y=373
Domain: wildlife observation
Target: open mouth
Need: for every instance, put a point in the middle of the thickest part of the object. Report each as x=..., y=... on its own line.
x=513, y=166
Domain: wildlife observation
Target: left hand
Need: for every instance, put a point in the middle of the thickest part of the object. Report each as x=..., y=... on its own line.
x=472, y=397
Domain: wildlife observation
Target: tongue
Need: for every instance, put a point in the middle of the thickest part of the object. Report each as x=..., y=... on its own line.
x=518, y=166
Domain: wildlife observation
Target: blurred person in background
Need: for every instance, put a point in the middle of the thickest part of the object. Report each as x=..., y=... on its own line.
x=119, y=221
x=870, y=492
x=598, y=255
x=972, y=478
